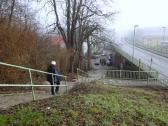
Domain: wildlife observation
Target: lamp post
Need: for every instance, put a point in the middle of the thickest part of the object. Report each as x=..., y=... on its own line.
x=134, y=41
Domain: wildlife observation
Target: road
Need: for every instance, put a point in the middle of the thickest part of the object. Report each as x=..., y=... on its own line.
x=159, y=63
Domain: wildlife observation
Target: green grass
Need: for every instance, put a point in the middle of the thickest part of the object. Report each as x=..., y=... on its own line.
x=93, y=105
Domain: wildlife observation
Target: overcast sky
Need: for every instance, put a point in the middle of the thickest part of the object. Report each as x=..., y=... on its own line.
x=145, y=13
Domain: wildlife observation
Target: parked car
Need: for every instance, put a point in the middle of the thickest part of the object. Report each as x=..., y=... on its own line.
x=96, y=63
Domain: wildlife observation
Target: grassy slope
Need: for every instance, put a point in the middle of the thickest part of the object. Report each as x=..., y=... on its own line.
x=94, y=104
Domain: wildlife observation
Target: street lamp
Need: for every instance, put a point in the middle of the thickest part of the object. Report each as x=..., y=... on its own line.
x=134, y=41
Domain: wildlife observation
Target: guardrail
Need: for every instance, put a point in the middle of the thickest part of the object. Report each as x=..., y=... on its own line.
x=31, y=84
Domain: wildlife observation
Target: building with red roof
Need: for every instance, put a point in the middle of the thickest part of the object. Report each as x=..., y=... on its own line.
x=58, y=41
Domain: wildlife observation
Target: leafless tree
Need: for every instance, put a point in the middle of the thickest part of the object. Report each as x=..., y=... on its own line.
x=80, y=21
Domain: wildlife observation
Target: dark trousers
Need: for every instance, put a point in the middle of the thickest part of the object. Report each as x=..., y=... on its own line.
x=53, y=88
x=57, y=88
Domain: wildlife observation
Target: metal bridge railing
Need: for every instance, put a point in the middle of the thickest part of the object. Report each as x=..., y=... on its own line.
x=157, y=81
x=31, y=83
x=140, y=77
x=129, y=75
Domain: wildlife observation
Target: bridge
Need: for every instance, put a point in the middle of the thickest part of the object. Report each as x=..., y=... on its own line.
x=144, y=59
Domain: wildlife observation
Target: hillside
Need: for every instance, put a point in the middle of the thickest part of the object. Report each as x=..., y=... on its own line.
x=94, y=104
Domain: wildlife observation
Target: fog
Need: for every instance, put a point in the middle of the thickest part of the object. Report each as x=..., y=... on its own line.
x=145, y=13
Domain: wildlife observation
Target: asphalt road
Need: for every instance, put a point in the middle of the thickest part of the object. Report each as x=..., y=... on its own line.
x=159, y=63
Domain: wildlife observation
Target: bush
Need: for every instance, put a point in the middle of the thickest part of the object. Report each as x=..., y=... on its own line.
x=23, y=45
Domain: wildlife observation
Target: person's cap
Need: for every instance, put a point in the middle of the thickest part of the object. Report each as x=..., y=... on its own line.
x=53, y=62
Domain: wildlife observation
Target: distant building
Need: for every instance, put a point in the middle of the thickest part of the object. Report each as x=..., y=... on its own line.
x=58, y=41
x=152, y=36
x=152, y=40
x=164, y=44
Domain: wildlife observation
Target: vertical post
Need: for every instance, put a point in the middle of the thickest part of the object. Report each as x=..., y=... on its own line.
x=82, y=77
x=150, y=64
x=157, y=74
x=77, y=75
x=134, y=42
x=103, y=74
x=53, y=83
x=31, y=81
x=66, y=84
x=85, y=77
x=150, y=67
x=120, y=74
x=139, y=68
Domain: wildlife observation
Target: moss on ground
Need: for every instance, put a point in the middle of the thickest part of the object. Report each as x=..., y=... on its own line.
x=93, y=105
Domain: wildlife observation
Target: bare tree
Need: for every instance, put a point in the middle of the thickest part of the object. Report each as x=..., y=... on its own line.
x=80, y=21
x=11, y=12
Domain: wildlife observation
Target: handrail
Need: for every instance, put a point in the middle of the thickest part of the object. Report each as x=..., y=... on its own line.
x=30, y=70
x=131, y=71
x=29, y=85
x=26, y=68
